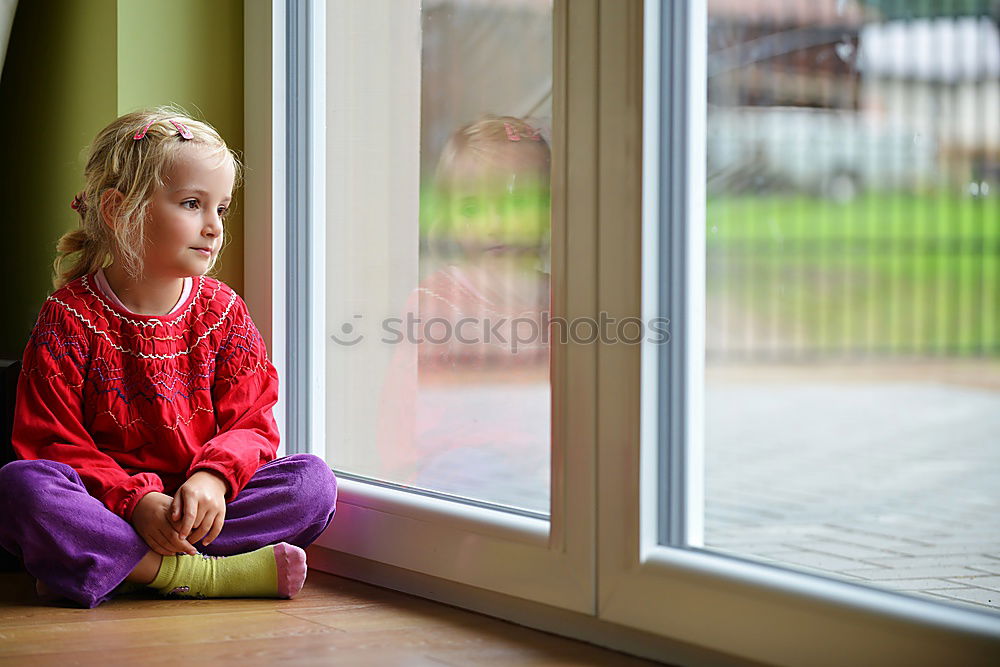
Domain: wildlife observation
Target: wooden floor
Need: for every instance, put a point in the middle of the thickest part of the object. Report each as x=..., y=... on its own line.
x=332, y=621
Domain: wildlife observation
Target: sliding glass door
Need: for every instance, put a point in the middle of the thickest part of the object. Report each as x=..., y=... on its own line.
x=791, y=463
x=445, y=407
x=588, y=306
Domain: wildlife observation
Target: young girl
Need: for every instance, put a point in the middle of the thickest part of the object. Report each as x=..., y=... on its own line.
x=144, y=404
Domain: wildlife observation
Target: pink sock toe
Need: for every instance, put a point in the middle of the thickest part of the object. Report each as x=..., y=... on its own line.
x=291, y=562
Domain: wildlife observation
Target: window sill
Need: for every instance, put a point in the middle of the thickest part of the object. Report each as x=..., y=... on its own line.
x=574, y=625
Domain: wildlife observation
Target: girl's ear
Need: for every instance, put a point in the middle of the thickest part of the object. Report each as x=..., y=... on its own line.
x=111, y=203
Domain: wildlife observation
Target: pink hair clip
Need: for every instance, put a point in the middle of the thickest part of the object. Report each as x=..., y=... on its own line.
x=142, y=133
x=529, y=133
x=182, y=130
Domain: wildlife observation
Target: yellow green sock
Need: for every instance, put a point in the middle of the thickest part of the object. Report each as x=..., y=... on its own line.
x=274, y=571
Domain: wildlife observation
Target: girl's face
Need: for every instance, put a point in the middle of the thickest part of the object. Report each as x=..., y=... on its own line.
x=509, y=213
x=498, y=204
x=184, y=224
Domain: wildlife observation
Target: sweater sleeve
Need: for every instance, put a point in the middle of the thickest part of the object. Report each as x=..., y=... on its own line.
x=244, y=393
x=48, y=416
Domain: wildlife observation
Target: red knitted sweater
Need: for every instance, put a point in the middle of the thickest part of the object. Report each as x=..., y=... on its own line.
x=138, y=403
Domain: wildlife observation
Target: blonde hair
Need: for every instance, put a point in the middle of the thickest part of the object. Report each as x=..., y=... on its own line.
x=135, y=168
x=493, y=141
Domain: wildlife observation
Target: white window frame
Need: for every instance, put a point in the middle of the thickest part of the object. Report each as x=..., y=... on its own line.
x=597, y=569
x=264, y=196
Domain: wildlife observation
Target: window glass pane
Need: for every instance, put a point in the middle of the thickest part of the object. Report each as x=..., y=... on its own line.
x=852, y=407
x=438, y=244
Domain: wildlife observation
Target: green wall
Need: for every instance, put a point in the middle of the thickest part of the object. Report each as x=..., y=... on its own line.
x=72, y=66
x=188, y=52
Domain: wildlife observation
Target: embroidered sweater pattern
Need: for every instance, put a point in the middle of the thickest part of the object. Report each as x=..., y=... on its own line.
x=139, y=403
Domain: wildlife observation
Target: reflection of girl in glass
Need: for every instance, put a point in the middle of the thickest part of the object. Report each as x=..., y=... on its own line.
x=486, y=233
x=485, y=249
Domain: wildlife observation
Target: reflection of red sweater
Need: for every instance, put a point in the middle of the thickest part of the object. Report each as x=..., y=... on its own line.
x=138, y=403
x=433, y=398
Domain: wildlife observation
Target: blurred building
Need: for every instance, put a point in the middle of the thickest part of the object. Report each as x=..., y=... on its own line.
x=797, y=53
x=833, y=97
x=941, y=76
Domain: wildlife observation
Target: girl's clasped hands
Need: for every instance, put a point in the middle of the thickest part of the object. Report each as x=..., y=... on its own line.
x=171, y=525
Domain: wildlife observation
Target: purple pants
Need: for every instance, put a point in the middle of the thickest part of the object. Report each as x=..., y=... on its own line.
x=83, y=551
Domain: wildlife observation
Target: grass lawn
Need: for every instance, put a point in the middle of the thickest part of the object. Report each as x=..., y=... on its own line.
x=887, y=273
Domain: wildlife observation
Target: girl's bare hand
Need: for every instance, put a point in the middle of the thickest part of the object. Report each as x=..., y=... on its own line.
x=199, y=507
x=151, y=520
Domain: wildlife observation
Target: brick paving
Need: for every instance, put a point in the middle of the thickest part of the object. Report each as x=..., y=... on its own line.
x=890, y=484
x=894, y=484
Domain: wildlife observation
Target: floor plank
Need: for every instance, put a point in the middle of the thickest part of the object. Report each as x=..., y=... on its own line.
x=333, y=620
